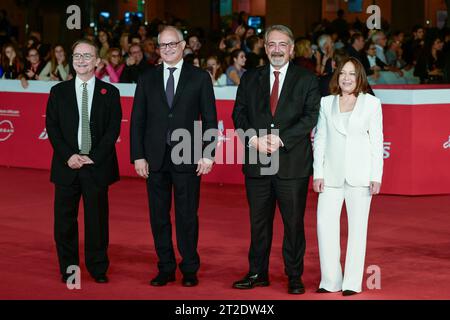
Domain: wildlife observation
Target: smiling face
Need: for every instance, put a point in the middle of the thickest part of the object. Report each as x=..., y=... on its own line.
x=347, y=78
x=279, y=48
x=33, y=56
x=169, y=38
x=59, y=53
x=85, y=64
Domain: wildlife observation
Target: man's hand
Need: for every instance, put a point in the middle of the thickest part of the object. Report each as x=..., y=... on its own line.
x=318, y=185
x=75, y=161
x=141, y=167
x=374, y=187
x=204, y=166
x=87, y=160
x=266, y=144
x=130, y=61
x=274, y=143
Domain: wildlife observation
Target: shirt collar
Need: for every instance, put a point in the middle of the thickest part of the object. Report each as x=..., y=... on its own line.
x=79, y=82
x=282, y=70
x=179, y=65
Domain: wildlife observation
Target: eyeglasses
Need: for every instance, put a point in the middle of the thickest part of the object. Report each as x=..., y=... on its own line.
x=281, y=45
x=171, y=45
x=86, y=56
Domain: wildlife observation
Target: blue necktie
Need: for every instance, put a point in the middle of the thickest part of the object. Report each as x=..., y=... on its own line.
x=170, y=87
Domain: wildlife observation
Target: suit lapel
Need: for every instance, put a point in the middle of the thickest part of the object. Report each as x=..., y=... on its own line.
x=288, y=84
x=335, y=114
x=73, y=108
x=264, y=87
x=96, y=99
x=160, y=84
x=184, y=77
x=359, y=108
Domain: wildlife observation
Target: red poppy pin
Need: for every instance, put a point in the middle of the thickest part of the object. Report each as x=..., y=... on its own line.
x=103, y=91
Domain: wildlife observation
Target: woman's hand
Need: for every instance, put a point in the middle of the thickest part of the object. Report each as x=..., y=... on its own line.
x=318, y=185
x=374, y=187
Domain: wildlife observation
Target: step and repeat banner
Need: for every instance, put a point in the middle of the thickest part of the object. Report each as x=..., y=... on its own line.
x=416, y=121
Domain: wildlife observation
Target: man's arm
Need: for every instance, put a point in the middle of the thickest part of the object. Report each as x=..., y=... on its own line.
x=301, y=130
x=138, y=119
x=208, y=113
x=109, y=138
x=53, y=125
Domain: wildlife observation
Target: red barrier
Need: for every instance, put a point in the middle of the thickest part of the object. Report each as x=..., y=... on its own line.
x=416, y=132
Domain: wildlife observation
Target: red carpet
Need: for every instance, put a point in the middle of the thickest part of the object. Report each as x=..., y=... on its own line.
x=409, y=239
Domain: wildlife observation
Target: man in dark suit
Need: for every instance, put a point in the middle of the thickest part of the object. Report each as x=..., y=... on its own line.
x=281, y=102
x=83, y=123
x=170, y=97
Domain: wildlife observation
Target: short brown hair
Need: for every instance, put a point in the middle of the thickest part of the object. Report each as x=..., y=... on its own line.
x=361, y=78
x=86, y=41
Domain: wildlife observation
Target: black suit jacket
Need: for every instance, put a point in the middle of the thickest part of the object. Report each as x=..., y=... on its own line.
x=296, y=115
x=62, y=127
x=152, y=118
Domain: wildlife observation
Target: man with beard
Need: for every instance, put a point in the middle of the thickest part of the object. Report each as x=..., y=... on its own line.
x=281, y=103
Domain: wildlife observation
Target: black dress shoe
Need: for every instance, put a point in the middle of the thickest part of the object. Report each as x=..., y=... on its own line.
x=348, y=293
x=101, y=278
x=252, y=280
x=189, y=280
x=322, y=290
x=162, y=279
x=295, y=286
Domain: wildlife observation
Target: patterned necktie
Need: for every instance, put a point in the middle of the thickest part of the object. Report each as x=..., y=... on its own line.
x=274, y=94
x=170, y=87
x=85, y=129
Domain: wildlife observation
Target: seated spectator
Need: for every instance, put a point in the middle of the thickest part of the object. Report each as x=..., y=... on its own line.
x=151, y=56
x=304, y=54
x=253, y=57
x=236, y=70
x=105, y=43
x=192, y=59
x=326, y=47
x=33, y=67
x=377, y=71
x=214, y=68
x=11, y=64
x=431, y=62
x=124, y=45
x=380, y=40
x=356, y=46
x=394, y=54
x=57, y=68
x=135, y=65
x=111, y=68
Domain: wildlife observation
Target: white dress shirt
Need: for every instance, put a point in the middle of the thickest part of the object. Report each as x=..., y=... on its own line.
x=79, y=93
x=176, y=74
x=281, y=77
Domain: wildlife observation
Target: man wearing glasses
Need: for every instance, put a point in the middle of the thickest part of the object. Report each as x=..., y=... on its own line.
x=136, y=65
x=173, y=96
x=281, y=102
x=83, y=123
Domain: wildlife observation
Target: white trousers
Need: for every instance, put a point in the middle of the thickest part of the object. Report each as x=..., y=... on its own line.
x=329, y=207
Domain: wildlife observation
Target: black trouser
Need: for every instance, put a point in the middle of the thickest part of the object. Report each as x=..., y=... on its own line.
x=262, y=195
x=96, y=211
x=186, y=188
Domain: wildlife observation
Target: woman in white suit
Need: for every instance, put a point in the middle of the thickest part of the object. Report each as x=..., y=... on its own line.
x=348, y=165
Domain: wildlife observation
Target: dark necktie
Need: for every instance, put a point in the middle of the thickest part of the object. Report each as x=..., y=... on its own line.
x=170, y=87
x=274, y=94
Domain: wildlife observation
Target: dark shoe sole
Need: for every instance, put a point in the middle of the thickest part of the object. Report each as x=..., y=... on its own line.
x=296, y=291
x=160, y=284
x=258, y=284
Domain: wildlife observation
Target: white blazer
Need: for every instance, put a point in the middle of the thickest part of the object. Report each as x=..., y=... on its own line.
x=354, y=154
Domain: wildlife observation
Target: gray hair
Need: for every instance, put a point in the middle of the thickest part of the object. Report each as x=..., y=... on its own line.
x=280, y=28
x=323, y=40
x=377, y=36
x=172, y=28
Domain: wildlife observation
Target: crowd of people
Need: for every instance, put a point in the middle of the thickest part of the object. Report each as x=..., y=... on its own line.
x=126, y=51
